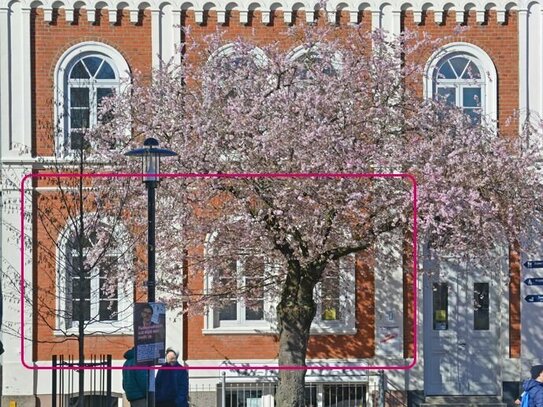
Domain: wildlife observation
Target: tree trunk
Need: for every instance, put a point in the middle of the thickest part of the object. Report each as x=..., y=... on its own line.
x=295, y=313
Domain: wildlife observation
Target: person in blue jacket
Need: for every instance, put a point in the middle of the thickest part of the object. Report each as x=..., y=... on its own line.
x=134, y=381
x=534, y=387
x=172, y=385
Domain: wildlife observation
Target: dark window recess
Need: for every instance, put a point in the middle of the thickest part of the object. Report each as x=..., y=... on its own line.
x=481, y=307
x=440, y=306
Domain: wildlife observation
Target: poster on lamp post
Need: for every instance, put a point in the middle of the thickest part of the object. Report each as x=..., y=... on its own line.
x=149, y=332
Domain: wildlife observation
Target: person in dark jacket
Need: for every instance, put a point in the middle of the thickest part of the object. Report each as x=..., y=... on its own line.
x=134, y=381
x=534, y=387
x=172, y=385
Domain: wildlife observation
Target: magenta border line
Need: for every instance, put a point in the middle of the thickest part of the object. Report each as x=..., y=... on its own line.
x=230, y=175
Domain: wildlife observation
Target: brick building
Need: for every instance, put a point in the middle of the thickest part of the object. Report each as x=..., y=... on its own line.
x=46, y=48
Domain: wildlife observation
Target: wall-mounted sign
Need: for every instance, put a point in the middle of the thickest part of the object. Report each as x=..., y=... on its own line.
x=534, y=298
x=534, y=281
x=533, y=264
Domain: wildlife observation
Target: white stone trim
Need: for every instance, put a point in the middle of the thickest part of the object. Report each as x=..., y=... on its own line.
x=523, y=103
x=5, y=82
x=289, y=7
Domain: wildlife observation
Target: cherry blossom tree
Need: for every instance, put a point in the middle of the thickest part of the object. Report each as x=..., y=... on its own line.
x=334, y=102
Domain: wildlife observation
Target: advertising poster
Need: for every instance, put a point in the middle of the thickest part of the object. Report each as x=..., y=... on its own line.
x=149, y=332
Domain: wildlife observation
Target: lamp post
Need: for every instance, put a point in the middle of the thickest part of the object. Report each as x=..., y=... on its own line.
x=150, y=155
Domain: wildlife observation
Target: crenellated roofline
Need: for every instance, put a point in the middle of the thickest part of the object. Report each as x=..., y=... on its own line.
x=266, y=7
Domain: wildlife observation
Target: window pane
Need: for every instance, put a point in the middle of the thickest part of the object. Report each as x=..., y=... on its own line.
x=254, y=310
x=86, y=310
x=481, y=307
x=254, y=281
x=330, y=293
x=446, y=72
x=108, y=310
x=447, y=95
x=474, y=115
x=440, y=302
x=103, y=93
x=83, y=285
x=79, y=118
x=228, y=312
x=459, y=65
x=472, y=72
x=79, y=72
x=77, y=141
x=106, y=72
x=471, y=97
x=79, y=97
x=92, y=64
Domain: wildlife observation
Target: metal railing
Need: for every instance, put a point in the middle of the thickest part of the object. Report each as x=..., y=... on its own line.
x=230, y=392
x=390, y=394
x=64, y=390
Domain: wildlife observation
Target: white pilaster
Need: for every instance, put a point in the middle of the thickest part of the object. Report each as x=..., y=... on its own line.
x=417, y=16
x=375, y=19
x=287, y=16
x=396, y=22
x=353, y=17
x=480, y=16
x=243, y=16
x=176, y=35
x=134, y=15
x=156, y=46
x=523, y=103
x=389, y=314
x=5, y=58
x=460, y=16
x=17, y=380
x=69, y=15
x=265, y=15
x=112, y=16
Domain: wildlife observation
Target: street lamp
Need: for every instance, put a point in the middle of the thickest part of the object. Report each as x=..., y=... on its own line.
x=150, y=155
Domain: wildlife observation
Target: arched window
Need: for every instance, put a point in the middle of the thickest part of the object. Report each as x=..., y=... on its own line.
x=85, y=75
x=309, y=61
x=463, y=75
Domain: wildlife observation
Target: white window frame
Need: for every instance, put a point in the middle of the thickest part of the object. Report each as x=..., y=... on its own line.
x=488, y=82
x=344, y=326
x=347, y=303
x=124, y=322
x=61, y=85
x=241, y=324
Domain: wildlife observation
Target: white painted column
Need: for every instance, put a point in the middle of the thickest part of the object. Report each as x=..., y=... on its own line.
x=534, y=63
x=5, y=115
x=531, y=312
x=26, y=67
x=396, y=22
x=156, y=40
x=176, y=35
x=389, y=313
x=375, y=19
x=18, y=98
x=18, y=381
x=523, y=62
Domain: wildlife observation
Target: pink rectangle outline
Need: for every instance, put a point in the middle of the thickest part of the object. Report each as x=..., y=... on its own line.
x=232, y=175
